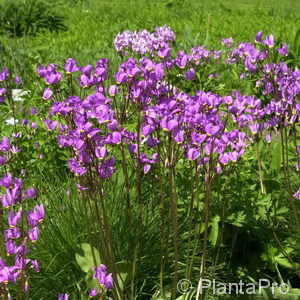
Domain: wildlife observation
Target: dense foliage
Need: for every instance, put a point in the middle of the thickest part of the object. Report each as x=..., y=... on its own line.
x=27, y=17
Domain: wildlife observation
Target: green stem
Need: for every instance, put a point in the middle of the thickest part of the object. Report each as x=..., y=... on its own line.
x=117, y=292
x=163, y=225
x=194, y=186
x=173, y=211
x=207, y=181
x=88, y=227
x=140, y=204
x=286, y=175
x=127, y=185
x=260, y=172
x=296, y=149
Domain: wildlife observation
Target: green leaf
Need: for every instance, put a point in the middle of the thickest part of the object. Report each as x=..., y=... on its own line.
x=275, y=164
x=237, y=218
x=84, y=257
x=164, y=294
x=124, y=273
x=283, y=261
x=214, y=233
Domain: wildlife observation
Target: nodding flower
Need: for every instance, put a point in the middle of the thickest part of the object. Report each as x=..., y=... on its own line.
x=71, y=66
x=105, y=280
x=36, y=216
x=297, y=194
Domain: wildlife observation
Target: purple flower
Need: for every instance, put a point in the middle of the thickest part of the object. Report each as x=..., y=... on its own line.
x=211, y=130
x=11, y=247
x=36, y=216
x=4, y=74
x=33, y=110
x=106, y=168
x=104, y=280
x=228, y=41
x=76, y=168
x=2, y=94
x=24, y=122
x=7, y=200
x=181, y=60
x=190, y=74
x=193, y=153
x=2, y=91
x=100, y=152
x=254, y=128
x=179, y=136
x=269, y=41
x=120, y=77
x=81, y=188
x=284, y=50
x=12, y=196
x=115, y=137
x=15, y=149
x=9, y=274
x=86, y=70
x=51, y=125
x=297, y=194
x=164, y=53
x=47, y=93
x=13, y=219
x=93, y=133
x=63, y=297
x=109, y=282
x=93, y=293
x=29, y=193
x=7, y=180
x=3, y=160
x=258, y=37
x=53, y=78
x=35, y=265
x=78, y=144
x=33, y=234
x=268, y=138
x=147, y=168
x=18, y=80
x=84, y=81
x=12, y=233
x=165, y=33
x=71, y=66
x=169, y=125
x=113, y=90
x=5, y=144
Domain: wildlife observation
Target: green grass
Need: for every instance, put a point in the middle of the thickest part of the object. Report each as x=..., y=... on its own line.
x=92, y=26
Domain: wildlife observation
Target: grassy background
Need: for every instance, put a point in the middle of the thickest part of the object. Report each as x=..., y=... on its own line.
x=92, y=26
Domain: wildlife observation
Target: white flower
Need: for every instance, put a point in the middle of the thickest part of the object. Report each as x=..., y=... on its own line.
x=18, y=94
x=11, y=121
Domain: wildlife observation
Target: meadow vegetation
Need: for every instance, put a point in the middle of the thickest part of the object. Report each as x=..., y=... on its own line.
x=174, y=157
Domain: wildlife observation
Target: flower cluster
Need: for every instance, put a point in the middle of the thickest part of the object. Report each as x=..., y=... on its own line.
x=201, y=124
x=143, y=41
x=21, y=232
x=145, y=113
x=105, y=281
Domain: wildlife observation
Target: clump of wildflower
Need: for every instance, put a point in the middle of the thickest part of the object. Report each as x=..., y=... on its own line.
x=20, y=233
x=105, y=281
x=143, y=41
